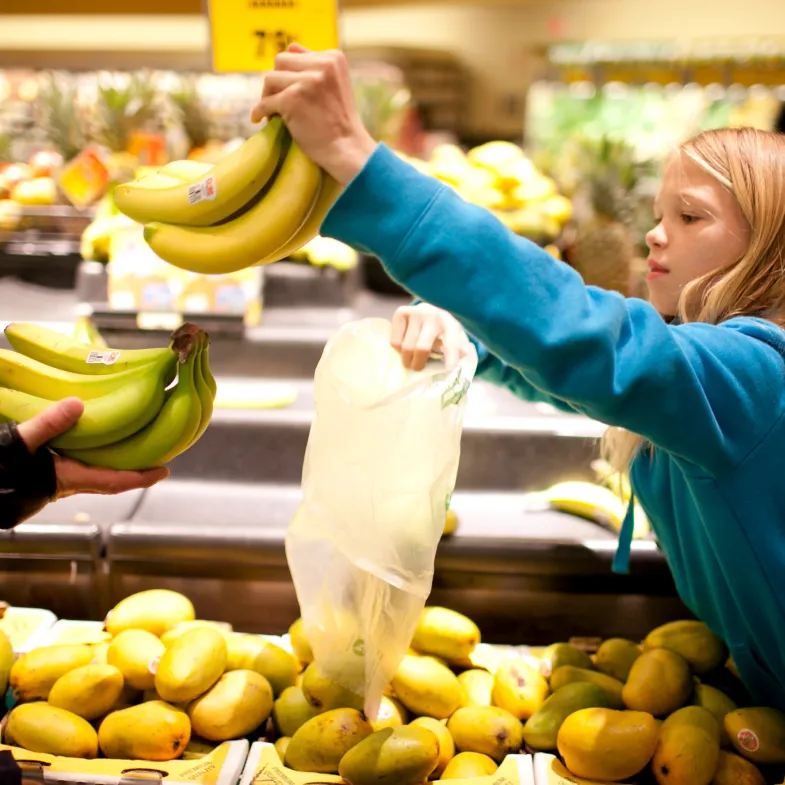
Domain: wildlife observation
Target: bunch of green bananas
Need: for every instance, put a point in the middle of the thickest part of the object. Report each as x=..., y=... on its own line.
x=134, y=416
x=259, y=204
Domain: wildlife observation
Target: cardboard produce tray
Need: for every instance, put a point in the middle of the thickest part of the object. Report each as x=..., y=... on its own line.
x=222, y=766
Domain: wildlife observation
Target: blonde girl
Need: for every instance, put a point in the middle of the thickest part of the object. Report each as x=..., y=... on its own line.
x=692, y=383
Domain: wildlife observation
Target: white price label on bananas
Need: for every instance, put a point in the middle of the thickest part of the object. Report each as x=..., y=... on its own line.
x=246, y=35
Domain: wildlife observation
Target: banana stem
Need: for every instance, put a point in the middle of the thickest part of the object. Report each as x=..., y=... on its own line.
x=185, y=339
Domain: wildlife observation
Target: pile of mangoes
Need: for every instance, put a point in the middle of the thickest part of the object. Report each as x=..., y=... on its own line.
x=167, y=685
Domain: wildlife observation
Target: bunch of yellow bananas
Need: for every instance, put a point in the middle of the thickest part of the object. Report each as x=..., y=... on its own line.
x=134, y=417
x=258, y=205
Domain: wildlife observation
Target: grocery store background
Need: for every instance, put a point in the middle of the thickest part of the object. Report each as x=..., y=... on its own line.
x=592, y=93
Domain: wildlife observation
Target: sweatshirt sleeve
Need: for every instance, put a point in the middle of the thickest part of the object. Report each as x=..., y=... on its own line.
x=491, y=369
x=704, y=393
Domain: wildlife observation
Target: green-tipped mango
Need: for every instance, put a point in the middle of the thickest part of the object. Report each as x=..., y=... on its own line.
x=569, y=674
x=320, y=744
x=559, y=654
x=404, y=756
x=542, y=730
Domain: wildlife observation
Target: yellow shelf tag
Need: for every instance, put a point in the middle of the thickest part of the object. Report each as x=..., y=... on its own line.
x=246, y=35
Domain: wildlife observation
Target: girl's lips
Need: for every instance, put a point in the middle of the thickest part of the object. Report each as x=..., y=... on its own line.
x=656, y=270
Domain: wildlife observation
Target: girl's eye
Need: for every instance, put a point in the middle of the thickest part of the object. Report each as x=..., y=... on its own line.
x=688, y=219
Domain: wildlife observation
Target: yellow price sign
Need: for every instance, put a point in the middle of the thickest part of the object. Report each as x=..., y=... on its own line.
x=247, y=34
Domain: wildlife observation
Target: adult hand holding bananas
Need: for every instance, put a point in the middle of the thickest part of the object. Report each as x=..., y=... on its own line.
x=312, y=92
x=419, y=330
x=71, y=476
x=128, y=418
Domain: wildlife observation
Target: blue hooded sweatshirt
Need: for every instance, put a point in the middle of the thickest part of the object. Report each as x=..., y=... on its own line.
x=709, y=399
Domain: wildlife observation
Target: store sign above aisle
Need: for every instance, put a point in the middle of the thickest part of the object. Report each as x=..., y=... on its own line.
x=246, y=35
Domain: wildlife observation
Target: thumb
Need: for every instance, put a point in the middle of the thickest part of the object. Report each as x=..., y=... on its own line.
x=297, y=49
x=267, y=106
x=58, y=418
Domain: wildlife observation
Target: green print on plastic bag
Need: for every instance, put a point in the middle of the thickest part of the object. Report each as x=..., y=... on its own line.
x=456, y=392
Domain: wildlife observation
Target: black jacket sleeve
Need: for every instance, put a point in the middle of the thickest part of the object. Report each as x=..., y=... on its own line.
x=27, y=480
x=10, y=773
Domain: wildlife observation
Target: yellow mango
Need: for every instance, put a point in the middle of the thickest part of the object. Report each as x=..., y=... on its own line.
x=135, y=653
x=693, y=641
x=238, y=703
x=445, y=633
x=281, y=745
x=252, y=652
x=325, y=694
x=519, y=688
x=757, y=733
x=560, y=654
x=569, y=674
x=688, y=750
x=468, y=765
x=34, y=673
x=197, y=749
x=718, y=703
x=172, y=634
x=300, y=645
x=321, y=742
x=39, y=727
x=153, y=731
x=291, y=710
x=155, y=610
x=735, y=770
x=606, y=744
x=392, y=713
x=616, y=656
x=405, y=756
x=89, y=692
x=427, y=688
x=445, y=739
x=659, y=683
x=477, y=686
x=191, y=665
x=100, y=652
x=6, y=661
x=486, y=729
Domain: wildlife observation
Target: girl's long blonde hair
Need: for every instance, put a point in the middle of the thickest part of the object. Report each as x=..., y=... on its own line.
x=750, y=164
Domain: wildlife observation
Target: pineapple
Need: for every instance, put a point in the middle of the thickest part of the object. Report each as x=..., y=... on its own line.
x=604, y=248
x=193, y=115
x=59, y=116
x=121, y=110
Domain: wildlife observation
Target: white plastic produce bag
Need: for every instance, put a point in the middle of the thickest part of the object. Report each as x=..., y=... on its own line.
x=379, y=470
